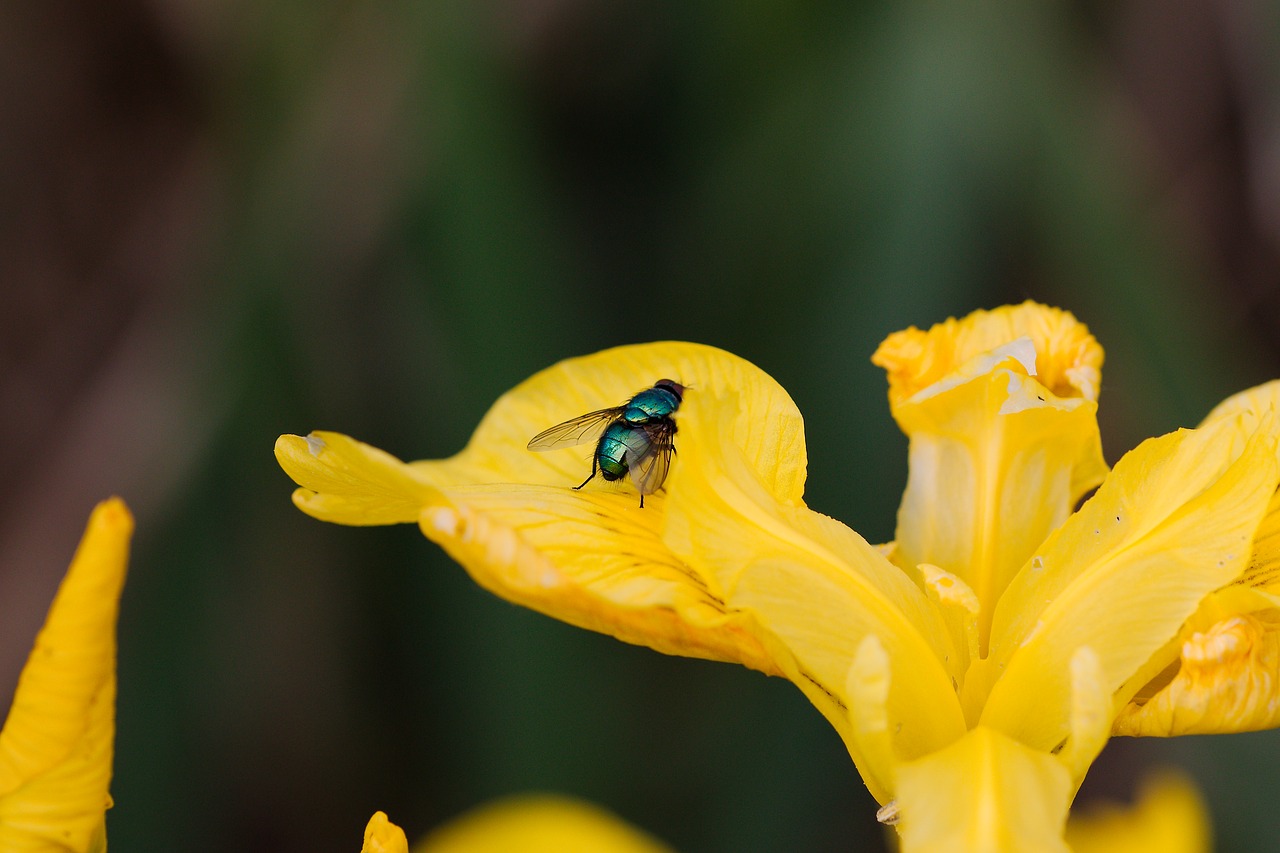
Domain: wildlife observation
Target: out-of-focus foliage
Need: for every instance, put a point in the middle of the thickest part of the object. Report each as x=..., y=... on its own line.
x=223, y=222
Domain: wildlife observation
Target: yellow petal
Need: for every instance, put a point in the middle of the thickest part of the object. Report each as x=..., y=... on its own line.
x=1168, y=817
x=959, y=607
x=1090, y=714
x=1069, y=360
x=539, y=824
x=1171, y=524
x=1263, y=571
x=984, y=792
x=1254, y=403
x=56, y=746
x=1220, y=675
x=1004, y=441
x=597, y=564
x=1227, y=680
x=867, y=698
x=348, y=482
x=593, y=557
x=768, y=428
x=1250, y=408
x=814, y=591
x=383, y=836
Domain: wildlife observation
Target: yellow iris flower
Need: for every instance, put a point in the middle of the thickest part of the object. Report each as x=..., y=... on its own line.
x=56, y=745
x=975, y=666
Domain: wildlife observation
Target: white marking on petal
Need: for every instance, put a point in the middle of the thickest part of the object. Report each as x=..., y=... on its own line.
x=1023, y=350
x=445, y=520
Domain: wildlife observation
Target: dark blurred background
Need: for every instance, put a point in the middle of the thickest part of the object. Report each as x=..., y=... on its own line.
x=224, y=221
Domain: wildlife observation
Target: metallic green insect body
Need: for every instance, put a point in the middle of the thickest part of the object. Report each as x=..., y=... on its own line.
x=654, y=404
x=634, y=438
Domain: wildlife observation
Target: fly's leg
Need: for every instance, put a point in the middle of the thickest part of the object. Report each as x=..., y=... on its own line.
x=593, y=474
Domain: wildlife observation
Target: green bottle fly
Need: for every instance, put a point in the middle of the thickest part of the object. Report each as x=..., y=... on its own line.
x=635, y=438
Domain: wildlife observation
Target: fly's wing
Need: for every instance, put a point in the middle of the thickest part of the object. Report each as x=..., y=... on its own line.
x=649, y=468
x=580, y=430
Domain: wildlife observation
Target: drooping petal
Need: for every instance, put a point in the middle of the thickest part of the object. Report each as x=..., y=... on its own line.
x=597, y=564
x=593, y=557
x=383, y=836
x=814, y=590
x=348, y=482
x=1227, y=680
x=1168, y=817
x=1171, y=524
x=539, y=824
x=984, y=792
x=1004, y=440
x=56, y=745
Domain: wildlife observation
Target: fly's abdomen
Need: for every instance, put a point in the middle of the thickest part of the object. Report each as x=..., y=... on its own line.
x=619, y=443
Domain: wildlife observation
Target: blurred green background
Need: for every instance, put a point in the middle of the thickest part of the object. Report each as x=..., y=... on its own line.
x=226, y=221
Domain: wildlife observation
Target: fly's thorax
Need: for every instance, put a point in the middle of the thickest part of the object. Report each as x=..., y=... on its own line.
x=652, y=404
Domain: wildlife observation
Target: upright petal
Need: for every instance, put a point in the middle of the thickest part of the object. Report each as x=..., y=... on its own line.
x=56, y=745
x=984, y=792
x=593, y=557
x=866, y=695
x=1001, y=413
x=1072, y=359
x=1171, y=524
x=959, y=608
x=1090, y=714
x=539, y=824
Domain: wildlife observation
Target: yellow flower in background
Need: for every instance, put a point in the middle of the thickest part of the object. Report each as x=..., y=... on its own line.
x=1168, y=817
x=525, y=824
x=56, y=745
x=975, y=666
x=539, y=824
x=383, y=836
